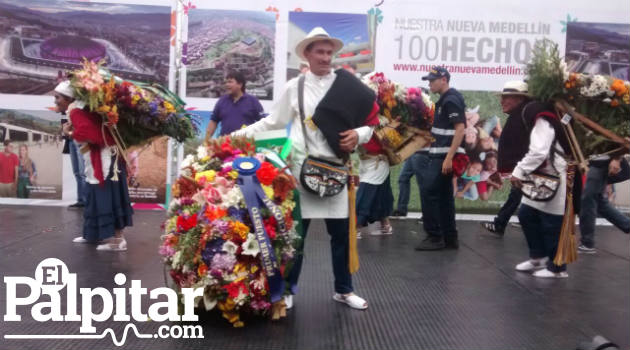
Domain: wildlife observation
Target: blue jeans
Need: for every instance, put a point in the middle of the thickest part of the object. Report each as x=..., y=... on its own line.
x=594, y=202
x=339, y=242
x=542, y=232
x=438, y=203
x=78, y=169
x=508, y=209
x=404, y=188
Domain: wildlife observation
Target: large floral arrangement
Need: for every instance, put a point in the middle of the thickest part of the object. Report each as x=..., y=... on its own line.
x=603, y=99
x=210, y=238
x=137, y=112
x=405, y=112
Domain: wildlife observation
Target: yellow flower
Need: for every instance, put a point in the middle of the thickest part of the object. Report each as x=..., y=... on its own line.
x=208, y=174
x=253, y=269
x=240, y=267
x=240, y=229
x=268, y=191
x=233, y=174
x=169, y=107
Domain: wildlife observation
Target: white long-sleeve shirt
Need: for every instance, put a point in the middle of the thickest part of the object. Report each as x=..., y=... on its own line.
x=286, y=111
x=540, y=142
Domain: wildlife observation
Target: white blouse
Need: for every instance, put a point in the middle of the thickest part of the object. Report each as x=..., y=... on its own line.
x=286, y=111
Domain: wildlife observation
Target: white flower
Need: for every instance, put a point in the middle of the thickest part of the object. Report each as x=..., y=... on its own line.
x=233, y=198
x=198, y=167
x=173, y=207
x=229, y=247
x=250, y=246
x=565, y=71
x=202, y=152
x=208, y=302
x=177, y=260
x=189, y=160
x=186, y=172
x=598, y=86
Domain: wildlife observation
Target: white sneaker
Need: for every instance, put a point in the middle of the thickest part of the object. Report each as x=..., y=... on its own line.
x=376, y=233
x=586, y=250
x=113, y=244
x=387, y=230
x=288, y=301
x=548, y=274
x=532, y=264
x=80, y=239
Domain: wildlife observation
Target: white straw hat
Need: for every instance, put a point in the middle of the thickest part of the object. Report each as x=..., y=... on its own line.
x=317, y=34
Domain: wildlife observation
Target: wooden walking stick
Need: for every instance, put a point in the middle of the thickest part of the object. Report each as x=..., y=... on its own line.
x=353, y=261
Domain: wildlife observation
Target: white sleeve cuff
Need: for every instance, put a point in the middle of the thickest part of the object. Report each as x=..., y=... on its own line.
x=364, y=133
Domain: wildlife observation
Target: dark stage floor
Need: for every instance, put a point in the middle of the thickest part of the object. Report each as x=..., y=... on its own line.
x=466, y=299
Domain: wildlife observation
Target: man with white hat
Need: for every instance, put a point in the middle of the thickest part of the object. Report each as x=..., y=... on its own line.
x=513, y=145
x=321, y=140
x=64, y=96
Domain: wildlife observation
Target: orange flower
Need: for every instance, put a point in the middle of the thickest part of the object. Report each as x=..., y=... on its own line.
x=619, y=87
x=614, y=103
x=240, y=229
x=213, y=213
x=202, y=270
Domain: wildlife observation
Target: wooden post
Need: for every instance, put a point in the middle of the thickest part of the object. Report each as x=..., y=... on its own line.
x=564, y=107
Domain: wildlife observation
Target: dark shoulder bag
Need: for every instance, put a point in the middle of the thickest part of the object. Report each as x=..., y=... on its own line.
x=318, y=176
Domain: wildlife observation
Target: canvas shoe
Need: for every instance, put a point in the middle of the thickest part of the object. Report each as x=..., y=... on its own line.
x=586, y=250
x=532, y=264
x=114, y=245
x=544, y=273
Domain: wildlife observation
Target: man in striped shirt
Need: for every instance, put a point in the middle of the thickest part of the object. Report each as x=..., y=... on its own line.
x=448, y=131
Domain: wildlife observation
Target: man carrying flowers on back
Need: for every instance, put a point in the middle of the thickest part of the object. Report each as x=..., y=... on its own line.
x=336, y=108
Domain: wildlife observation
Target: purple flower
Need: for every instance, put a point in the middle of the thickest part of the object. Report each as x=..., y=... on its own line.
x=237, y=214
x=212, y=248
x=223, y=262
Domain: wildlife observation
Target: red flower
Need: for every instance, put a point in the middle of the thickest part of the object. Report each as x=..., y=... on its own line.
x=186, y=223
x=266, y=173
x=233, y=289
x=270, y=227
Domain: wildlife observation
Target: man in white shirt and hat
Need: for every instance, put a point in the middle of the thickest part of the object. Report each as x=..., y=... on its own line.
x=318, y=49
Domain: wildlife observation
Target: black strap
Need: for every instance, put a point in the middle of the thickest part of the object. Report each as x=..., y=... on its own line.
x=301, y=107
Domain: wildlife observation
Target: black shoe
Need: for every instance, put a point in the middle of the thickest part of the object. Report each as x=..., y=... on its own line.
x=76, y=205
x=493, y=228
x=451, y=243
x=399, y=213
x=431, y=243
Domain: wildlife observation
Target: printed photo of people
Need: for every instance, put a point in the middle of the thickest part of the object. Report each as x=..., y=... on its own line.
x=31, y=155
x=481, y=138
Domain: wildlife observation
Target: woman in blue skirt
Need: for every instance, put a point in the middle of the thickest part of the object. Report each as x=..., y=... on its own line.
x=108, y=209
x=375, y=200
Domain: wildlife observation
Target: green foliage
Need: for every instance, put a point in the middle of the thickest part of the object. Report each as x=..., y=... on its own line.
x=545, y=73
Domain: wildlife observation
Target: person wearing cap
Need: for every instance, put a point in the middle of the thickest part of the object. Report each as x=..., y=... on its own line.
x=108, y=206
x=64, y=96
x=448, y=131
x=321, y=89
x=513, y=145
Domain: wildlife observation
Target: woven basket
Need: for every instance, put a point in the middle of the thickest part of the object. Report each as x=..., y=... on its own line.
x=412, y=140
